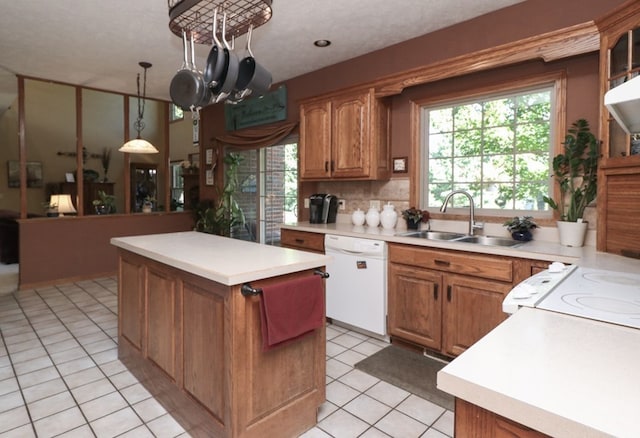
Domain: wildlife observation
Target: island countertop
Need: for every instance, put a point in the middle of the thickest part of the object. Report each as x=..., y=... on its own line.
x=221, y=259
x=558, y=374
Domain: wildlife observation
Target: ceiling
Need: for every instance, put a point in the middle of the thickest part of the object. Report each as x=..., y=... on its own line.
x=98, y=43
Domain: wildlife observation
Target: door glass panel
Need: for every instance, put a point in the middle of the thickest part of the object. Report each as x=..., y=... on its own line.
x=635, y=49
x=619, y=58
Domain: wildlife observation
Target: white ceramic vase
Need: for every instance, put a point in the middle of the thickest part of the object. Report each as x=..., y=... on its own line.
x=357, y=218
x=373, y=217
x=572, y=233
x=388, y=217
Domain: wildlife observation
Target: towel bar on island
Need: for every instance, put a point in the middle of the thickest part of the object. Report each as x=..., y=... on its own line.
x=248, y=291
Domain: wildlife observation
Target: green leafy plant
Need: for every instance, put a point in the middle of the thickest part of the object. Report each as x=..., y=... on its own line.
x=576, y=172
x=225, y=213
x=415, y=215
x=106, y=204
x=520, y=224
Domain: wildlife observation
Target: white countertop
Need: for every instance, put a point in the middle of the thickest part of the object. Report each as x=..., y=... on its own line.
x=221, y=259
x=561, y=375
x=535, y=249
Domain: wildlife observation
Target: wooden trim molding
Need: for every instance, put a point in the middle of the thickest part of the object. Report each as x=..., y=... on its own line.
x=551, y=46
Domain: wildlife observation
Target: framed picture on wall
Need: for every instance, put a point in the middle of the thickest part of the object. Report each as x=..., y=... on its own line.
x=34, y=174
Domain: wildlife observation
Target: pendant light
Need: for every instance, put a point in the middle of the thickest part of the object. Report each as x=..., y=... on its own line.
x=138, y=145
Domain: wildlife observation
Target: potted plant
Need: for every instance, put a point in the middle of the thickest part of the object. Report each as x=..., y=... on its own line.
x=147, y=204
x=414, y=217
x=575, y=171
x=225, y=213
x=105, y=204
x=520, y=227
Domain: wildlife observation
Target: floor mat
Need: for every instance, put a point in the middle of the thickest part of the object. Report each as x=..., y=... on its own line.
x=408, y=370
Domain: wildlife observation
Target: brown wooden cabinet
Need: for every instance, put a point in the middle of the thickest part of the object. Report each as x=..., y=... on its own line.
x=303, y=240
x=447, y=300
x=619, y=171
x=345, y=136
x=196, y=345
x=474, y=421
x=619, y=62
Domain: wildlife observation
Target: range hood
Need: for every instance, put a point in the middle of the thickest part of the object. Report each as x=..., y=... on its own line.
x=623, y=102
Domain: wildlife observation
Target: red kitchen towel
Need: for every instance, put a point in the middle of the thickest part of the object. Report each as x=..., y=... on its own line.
x=291, y=309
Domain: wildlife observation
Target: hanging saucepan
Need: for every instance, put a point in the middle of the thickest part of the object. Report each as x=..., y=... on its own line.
x=187, y=88
x=252, y=77
x=212, y=73
x=231, y=66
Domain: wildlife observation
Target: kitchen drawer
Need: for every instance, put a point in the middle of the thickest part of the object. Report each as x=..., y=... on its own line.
x=485, y=266
x=302, y=240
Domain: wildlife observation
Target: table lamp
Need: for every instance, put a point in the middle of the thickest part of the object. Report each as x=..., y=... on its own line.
x=63, y=203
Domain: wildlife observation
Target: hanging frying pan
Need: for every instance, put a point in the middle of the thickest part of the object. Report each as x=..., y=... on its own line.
x=187, y=88
x=212, y=73
x=252, y=77
x=231, y=66
x=204, y=94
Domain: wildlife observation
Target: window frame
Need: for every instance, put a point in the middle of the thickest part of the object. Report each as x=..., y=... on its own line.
x=558, y=82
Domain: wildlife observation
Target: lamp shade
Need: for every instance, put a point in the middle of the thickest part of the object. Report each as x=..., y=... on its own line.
x=138, y=146
x=63, y=204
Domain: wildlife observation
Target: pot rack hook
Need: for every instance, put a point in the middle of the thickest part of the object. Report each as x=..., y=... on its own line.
x=249, y=40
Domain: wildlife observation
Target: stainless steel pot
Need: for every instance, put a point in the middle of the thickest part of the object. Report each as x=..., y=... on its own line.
x=187, y=87
x=252, y=77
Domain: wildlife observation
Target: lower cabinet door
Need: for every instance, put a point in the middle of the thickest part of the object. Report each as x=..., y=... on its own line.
x=415, y=305
x=472, y=308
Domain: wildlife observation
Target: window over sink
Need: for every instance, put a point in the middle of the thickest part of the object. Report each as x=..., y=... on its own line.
x=497, y=144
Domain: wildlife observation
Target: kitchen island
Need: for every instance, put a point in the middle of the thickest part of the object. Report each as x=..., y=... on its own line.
x=194, y=341
x=556, y=374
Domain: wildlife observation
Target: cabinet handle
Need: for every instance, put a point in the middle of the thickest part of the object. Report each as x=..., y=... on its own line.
x=332, y=166
x=299, y=240
x=442, y=262
x=326, y=166
x=449, y=293
x=435, y=292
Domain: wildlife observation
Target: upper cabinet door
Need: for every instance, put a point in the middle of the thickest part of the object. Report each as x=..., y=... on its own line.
x=351, y=152
x=344, y=136
x=315, y=140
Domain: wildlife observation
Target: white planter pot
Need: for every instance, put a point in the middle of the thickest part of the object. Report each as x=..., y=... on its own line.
x=572, y=233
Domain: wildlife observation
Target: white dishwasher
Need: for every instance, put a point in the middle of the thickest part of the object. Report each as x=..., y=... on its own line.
x=357, y=285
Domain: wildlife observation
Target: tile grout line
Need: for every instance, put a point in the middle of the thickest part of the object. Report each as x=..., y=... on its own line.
x=38, y=293
x=15, y=376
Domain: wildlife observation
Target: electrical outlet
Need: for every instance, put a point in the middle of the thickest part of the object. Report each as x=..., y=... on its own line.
x=306, y=202
x=342, y=204
x=375, y=204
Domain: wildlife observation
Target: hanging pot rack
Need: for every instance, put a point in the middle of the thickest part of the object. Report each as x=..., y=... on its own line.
x=197, y=16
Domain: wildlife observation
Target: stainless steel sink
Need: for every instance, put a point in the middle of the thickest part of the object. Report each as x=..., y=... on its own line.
x=488, y=240
x=433, y=235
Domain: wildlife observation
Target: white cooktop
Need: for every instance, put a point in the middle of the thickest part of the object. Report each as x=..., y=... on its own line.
x=602, y=295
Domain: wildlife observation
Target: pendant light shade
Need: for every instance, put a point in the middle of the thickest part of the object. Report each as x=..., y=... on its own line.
x=138, y=146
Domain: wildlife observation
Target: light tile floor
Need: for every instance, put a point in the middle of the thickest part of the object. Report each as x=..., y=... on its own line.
x=60, y=377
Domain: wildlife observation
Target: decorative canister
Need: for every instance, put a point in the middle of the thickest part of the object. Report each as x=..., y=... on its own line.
x=388, y=217
x=357, y=218
x=373, y=217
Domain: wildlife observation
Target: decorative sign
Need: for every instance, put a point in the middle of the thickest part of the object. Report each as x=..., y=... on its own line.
x=270, y=108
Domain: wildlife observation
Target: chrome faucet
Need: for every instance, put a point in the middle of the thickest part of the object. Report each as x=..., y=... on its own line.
x=472, y=222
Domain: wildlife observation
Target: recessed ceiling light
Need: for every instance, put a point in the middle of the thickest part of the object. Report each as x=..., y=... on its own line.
x=322, y=43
